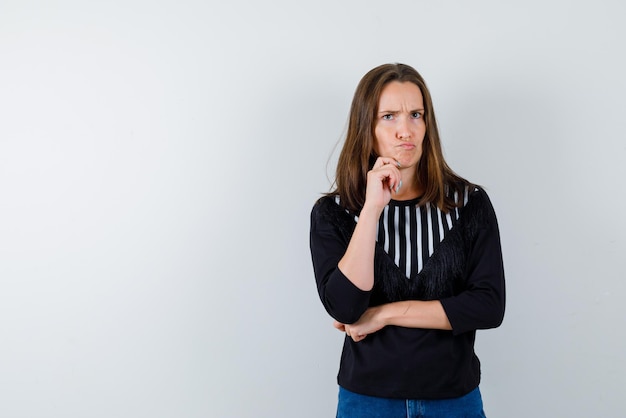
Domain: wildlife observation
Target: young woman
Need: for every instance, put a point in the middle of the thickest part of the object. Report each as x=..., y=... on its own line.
x=407, y=259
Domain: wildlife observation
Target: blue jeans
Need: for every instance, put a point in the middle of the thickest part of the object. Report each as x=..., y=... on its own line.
x=353, y=405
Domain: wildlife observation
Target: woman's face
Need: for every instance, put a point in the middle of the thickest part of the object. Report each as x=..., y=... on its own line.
x=399, y=129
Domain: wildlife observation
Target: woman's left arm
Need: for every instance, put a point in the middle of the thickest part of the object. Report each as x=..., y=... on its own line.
x=408, y=313
x=480, y=306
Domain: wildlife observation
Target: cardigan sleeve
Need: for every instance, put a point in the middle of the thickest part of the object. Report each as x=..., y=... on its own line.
x=481, y=305
x=341, y=298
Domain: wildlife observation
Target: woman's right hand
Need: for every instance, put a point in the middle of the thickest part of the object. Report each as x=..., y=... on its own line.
x=382, y=180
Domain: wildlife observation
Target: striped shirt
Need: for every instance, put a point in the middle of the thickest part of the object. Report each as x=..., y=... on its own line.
x=410, y=232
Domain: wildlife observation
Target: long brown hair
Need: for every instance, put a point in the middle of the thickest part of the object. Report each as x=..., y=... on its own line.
x=357, y=155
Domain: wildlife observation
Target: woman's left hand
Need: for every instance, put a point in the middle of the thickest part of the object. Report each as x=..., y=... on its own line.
x=370, y=322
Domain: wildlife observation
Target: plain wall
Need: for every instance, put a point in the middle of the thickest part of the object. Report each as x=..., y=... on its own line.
x=158, y=164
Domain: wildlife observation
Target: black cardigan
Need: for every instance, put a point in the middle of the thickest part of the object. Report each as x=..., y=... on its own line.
x=465, y=273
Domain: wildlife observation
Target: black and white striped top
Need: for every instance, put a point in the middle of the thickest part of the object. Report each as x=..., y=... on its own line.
x=410, y=232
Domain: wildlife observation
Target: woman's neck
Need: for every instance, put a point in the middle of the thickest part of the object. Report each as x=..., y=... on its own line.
x=410, y=189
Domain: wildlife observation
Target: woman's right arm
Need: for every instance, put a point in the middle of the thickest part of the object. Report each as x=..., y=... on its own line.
x=357, y=264
x=358, y=261
x=341, y=298
x=345, y=271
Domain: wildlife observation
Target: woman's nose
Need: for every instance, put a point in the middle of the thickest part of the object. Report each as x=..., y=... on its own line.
x=402, y=129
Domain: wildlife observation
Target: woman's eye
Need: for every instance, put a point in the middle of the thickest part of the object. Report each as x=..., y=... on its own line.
x=388, y=117
x=416, y=115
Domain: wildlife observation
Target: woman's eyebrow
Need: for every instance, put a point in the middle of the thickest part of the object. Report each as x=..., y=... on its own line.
x=394, y=112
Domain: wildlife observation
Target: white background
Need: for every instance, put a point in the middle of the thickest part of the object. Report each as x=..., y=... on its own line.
x=158, y=164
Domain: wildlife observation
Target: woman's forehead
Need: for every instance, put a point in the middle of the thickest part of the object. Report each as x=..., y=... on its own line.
x=402, y=94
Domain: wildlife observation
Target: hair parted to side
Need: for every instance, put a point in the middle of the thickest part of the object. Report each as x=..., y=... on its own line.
x=357, y=155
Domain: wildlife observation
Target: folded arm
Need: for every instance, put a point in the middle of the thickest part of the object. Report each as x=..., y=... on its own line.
x=409, y=313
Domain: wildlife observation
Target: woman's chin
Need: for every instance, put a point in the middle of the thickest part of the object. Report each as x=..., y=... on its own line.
x=406, y=161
